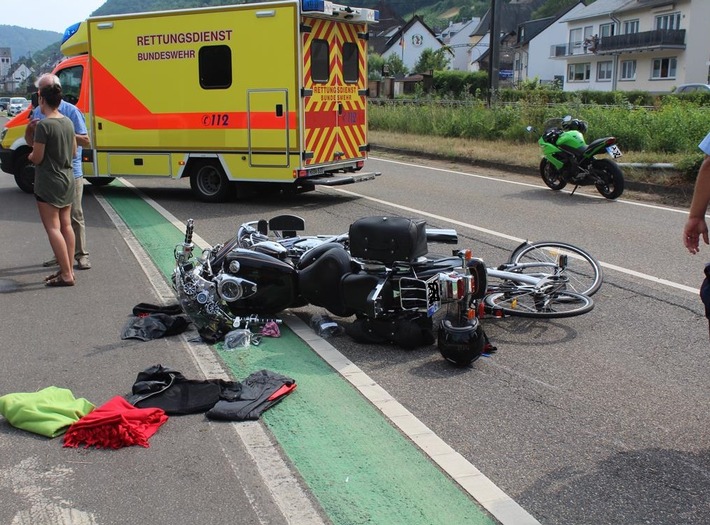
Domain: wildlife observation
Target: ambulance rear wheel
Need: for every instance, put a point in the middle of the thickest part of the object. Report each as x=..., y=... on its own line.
x=209, y=182
x=25, y=173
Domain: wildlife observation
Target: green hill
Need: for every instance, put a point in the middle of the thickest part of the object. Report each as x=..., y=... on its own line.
x=23, y=42
x=44, y=45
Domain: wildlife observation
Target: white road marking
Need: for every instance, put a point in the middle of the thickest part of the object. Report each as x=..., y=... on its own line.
x=292, y=501
x=420, y=213
x=37, y=487
x=506, y=510
x=529, y=185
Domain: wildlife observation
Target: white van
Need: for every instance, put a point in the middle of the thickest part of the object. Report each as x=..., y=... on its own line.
x=17, y=105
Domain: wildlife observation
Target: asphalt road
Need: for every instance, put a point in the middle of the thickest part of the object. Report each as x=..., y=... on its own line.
x=194, y=470
x=595, y=419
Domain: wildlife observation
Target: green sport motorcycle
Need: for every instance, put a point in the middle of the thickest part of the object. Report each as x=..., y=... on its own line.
x=568, y=159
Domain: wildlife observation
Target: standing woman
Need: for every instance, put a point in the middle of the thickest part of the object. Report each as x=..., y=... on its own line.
x=52, y=153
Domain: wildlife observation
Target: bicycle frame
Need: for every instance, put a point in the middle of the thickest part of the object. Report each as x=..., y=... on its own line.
x=529, y=281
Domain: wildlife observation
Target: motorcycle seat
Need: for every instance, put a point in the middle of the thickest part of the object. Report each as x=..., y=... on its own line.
x=320, y=277
x=595, y=143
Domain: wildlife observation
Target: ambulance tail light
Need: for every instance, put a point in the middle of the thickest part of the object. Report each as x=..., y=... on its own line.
x=300, y=173
x=360, y=164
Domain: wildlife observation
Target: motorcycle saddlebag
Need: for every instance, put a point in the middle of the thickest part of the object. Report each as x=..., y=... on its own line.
x=388, y=239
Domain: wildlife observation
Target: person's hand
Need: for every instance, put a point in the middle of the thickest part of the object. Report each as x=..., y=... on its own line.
x=30, y=157
x=694, y=228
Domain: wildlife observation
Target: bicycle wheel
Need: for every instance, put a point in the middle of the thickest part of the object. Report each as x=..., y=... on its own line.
x=583, y=271
x=539, y=305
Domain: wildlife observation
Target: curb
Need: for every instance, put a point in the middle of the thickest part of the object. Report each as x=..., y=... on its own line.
x=644, y=187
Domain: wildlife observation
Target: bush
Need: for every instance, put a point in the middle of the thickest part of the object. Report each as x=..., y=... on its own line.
x=690, y=165
x=675, y=126
x=459, y=84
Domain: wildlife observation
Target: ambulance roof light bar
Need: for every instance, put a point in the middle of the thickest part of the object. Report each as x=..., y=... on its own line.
x=354, y=14
x=69, y=32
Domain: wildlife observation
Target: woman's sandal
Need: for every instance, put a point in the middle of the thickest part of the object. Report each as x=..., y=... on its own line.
x=52, y=276
x=58, y=281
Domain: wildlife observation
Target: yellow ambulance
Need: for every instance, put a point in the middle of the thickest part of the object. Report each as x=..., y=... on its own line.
x=269, y=96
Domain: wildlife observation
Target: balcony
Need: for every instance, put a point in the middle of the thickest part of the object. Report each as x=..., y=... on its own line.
x=648, y=40
x=645, y=41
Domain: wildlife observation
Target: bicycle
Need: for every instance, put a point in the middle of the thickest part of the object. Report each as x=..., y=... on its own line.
x=544, y=279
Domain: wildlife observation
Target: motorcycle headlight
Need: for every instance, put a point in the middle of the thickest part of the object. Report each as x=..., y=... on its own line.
x=230, y=289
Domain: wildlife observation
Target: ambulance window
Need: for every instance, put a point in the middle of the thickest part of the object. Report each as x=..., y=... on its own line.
x=320, y=60
x=70, y=79
x=215, y=67
x=351, y=59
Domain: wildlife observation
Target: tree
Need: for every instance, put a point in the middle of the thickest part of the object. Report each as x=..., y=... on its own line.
x=431, y=60
x=395, y=66
x=375, y=62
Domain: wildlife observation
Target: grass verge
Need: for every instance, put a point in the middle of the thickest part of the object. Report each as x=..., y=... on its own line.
x=523, y=157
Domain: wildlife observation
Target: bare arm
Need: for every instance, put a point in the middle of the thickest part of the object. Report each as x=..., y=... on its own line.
x=83, y=140
x=30, y=132
x=695, y=227
x=36, y=156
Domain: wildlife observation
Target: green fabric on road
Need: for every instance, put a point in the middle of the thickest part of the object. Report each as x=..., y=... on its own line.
x=359, y=467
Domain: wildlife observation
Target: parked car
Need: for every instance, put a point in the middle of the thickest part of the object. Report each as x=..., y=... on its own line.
x=17, y=105
x=4, y=103
x=691, y=88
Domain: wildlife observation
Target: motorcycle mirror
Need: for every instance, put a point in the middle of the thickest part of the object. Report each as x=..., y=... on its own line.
x=529, y=128
x=568, y=118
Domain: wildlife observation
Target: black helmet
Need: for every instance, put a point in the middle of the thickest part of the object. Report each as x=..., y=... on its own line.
x=461, y=342
x=579, y=125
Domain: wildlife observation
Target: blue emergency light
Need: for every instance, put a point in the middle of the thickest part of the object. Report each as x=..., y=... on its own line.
x=69, y=32
x=313, y=5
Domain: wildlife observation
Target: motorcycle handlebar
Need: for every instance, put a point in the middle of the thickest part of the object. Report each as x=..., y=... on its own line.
x=189, y=229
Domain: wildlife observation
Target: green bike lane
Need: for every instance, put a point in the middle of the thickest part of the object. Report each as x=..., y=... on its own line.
x=359, y=466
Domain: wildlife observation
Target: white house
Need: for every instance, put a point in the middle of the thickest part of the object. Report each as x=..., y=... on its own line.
x=457, y=38
x=14, y=80
x=409, y=41
x=510, y=15
x=534, y=40
x=626, y=45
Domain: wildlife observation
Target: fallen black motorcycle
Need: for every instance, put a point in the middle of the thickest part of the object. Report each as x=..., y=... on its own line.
x=378, y=272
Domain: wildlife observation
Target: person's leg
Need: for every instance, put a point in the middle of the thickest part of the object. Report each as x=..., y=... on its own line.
x=52, y=222
x=68, y=234
x=77, y=221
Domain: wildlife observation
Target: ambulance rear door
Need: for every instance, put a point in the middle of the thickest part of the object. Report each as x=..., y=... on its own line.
x=334, y=91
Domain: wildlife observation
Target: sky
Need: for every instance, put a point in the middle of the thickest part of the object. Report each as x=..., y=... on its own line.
x=47, y=14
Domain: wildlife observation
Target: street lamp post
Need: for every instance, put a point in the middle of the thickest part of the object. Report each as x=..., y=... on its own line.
x=494, y=50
